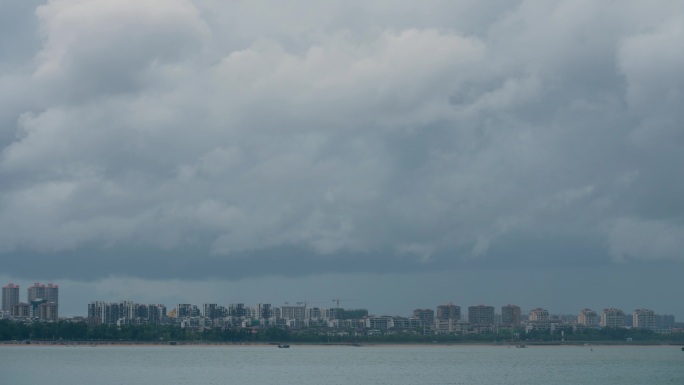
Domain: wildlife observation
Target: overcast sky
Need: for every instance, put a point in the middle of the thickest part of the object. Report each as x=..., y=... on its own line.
x=394, y=154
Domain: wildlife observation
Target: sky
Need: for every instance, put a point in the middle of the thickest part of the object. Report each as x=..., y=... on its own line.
x=393, y=154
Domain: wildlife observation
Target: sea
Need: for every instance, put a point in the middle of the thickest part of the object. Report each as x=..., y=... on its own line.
x=331, y=365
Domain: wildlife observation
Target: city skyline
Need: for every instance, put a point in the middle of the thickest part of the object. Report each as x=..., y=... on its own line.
x=478, y=319
x=395, y=154
x=551, y=309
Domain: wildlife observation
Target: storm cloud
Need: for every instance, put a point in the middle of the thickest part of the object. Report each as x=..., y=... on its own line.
x=198, y=139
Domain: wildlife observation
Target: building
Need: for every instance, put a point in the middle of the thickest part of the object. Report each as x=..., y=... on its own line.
x=379, y=323
x=588, y=317
x=644, y=319
x=426, y=317
x=10, y=297
x=539, y=315
x=238, y=310
x=150, y=314
x=210, y=310
x=613, y=318
x=315, y=313
x=184, y=310
x=448, y=311
x=47, y=311
x=125, y=312
x=665, y=321
x=39, y=291
x=510, y=316
x=481, y=315
x=100, y=312
x=21, y=310
x=293, y=312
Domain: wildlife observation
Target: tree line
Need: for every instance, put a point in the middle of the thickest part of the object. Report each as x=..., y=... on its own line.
x=81, y=331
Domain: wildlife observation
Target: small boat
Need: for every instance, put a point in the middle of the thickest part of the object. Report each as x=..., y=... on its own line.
x=283, y=346
x=520, y=346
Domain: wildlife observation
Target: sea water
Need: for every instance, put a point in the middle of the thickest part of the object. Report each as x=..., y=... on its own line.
x=308, y=365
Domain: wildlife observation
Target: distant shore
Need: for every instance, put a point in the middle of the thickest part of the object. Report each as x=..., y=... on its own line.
x=350, y=344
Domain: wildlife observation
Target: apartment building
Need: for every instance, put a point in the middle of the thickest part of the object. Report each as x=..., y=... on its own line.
x=588, y=317
x=481, y=315
x=644, y=319
x=10, y=297
x=612, y=317
x=510, y=316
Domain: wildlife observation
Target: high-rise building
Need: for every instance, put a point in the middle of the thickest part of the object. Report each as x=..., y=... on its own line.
x=539, y=315
x=481, y=315
x=644, y=319
x=293, y=312
x=664, y=321
x=154, y=314
x=588, y=317
x=510, y=316
x=614, y=318
x=426, y=316
x=100, y=312
x=238, y=310
x=49, y=292
x=187, y=310
x=210, y=310
x=126, y=312
x=47, y=311
x=263, y=311
x=10, y=297
x=448, y=311
x=314, y=313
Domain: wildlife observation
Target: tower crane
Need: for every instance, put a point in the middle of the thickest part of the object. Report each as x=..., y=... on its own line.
x=338, y=300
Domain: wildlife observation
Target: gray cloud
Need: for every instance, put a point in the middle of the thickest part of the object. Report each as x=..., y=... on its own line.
x=211, y=139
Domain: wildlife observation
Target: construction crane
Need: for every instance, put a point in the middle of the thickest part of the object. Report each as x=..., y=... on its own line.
x=338, y=300
x=306, y=302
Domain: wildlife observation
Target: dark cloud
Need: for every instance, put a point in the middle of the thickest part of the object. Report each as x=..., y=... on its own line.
x=232, y=140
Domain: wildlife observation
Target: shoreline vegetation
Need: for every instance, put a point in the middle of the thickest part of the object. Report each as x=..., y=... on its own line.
x=81, y=333
x=507, y=344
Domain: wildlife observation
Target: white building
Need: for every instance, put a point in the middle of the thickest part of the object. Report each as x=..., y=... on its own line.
x=293, y=312
x=588, y=317
x=613, y=318
x=379, y=323
x=539, y=315
x=644, y=319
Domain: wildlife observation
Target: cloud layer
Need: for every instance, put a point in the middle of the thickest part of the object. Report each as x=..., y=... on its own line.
x=300, y=138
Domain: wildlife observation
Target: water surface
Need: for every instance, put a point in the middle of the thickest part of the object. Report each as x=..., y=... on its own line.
x=331, y=365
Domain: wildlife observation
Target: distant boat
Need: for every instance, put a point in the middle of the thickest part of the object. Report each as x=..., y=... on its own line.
x=283, y=346
x=520, y=346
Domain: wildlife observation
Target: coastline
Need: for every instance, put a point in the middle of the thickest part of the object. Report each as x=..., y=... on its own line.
x=304, y=344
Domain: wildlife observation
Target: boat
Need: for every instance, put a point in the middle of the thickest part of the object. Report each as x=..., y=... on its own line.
x=520, y=346
x=283, y=346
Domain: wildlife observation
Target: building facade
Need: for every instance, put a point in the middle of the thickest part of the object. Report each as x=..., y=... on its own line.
x=49, y=292
x=426, y=317
x=588, y=317
x=448, y=311
x=47, y=311
x=481, y=315
x=539, y=315
x=293, y=312
x=613, y=318
x=10, y=297
x=21, y=310
x=510, y=316
x=644, y=319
